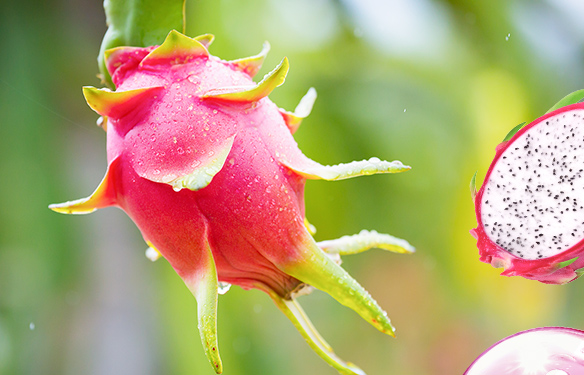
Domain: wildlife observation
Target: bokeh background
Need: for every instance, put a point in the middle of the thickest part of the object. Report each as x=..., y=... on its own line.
x=434, y=83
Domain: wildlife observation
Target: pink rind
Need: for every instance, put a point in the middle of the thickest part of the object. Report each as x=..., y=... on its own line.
x=568, y=330
x=546, y=270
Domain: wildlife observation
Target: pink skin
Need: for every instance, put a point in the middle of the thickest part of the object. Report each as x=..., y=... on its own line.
x=252, y=213
x=545, y=270
x=539, y=351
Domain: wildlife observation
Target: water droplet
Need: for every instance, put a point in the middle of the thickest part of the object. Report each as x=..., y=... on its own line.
x=507, y=39
x=180, y=151
x=31, y=326
x=405, y=109
x=152, y=139
x=222, y=287
x=156, y=171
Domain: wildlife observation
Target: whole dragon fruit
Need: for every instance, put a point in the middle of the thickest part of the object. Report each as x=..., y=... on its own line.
x=206, y=166
x=529, y=209
x=540, y=351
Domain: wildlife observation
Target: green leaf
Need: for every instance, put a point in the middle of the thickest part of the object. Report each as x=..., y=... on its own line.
x=513, y=132
x=473, y=186
x=573, y=98
x=138, y=23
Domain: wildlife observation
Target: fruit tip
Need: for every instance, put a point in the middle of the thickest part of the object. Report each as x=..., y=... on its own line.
x=205, y=39
x=473, y=186
x=68, y=208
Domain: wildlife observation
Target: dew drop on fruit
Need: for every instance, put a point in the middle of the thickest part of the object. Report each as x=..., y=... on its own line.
x=222, y=287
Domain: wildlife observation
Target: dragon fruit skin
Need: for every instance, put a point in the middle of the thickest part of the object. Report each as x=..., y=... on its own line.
x=539, y=351
x=560, y=268
x=206, y=166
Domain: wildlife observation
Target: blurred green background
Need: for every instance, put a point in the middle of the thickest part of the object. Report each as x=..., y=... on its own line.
x=434, y=83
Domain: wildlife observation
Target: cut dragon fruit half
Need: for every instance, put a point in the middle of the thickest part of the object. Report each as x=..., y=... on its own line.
x=539, y=351
x=530, y=208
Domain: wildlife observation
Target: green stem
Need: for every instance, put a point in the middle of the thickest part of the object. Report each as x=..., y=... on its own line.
x=138, y=23
x=298, y=317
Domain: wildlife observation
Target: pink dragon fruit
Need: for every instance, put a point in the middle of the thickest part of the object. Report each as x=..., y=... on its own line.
x=206, y=166
x=529, y=207
x=540, y=351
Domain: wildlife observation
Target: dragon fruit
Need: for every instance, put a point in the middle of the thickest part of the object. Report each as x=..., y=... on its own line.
x=539, y=351
x=206, y=166
x=529, y=209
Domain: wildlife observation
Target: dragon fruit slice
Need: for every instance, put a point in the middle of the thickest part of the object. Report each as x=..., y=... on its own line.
x=529, y=209
x=206, y=166
x=539, y=351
